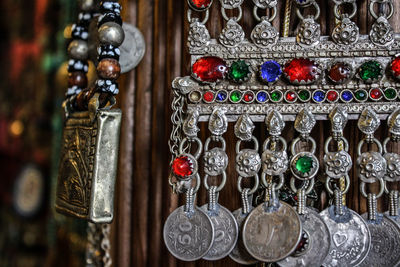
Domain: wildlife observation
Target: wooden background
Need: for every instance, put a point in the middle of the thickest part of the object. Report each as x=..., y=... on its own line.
x=143, y=197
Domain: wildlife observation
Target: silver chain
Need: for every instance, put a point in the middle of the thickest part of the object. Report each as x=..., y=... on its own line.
x=177, y=119
x=106, y=245
x=92, y=248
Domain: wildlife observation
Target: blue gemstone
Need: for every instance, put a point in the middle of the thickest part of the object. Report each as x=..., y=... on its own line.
x=262, y=97
x=221, y=96
x=319, y=96
x=347, y=96
x=270, y=71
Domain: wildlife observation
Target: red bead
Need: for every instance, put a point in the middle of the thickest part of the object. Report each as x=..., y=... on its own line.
x=332, y=96
x=182, y=166
x=301, y=70
x=395, y=67
x=208, y=96
x=248, y=97
x=290, y=96
x=209, y=69
x=376, y=94
x=200, y=4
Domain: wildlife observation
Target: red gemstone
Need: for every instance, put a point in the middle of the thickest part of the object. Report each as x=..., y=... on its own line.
x=339, y=72
x=182, y=166
x=209, y=69
x=291, y=96
x=301, y=70
x=248, y=97
x=395, y=67
x=376, y=94
x=208, y=96
x=200, y=4
x=332, y=96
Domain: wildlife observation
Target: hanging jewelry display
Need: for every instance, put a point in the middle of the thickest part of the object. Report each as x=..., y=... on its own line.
x=303, y=78
x=372, y=165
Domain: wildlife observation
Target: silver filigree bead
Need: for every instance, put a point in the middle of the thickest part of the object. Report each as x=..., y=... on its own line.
x=264, y=34
x=274, y=162
x=337, y=164
x=305, y=122
x=275, y=123
x=199, y=36
x=338, y=118
x=244, y=127
x=368, y=122
x=218, y=123
x=393, y=167
x=248, y=163
x=371, y=166
x=382, y=33
x=265, y=3
x=232, y=35
x=231, y=4
x=190, y=128
x=346, y=32
x=215, y=161
x=309, y=32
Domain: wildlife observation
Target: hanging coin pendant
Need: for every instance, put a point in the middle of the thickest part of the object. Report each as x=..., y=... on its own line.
x=315, y=243
x=188, y=236
x=396, y=219
x=239, y=253
x=272, y=235
x=226, y=232
x=132, y=49
x=385, y=242
x=350, y=238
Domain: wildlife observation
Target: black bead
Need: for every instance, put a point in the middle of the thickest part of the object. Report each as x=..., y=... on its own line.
x=110, y=17
x=109, y=6
x=107, y=86
x=79, y=32
x=108, y=51
x=84, y=19
x=77, y=65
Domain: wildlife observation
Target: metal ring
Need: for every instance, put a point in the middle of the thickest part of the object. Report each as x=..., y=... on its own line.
x=310, y=185
x=255, y=187
x=330, y=138
x=309, y=138
x=317, y=13
x=340, y=16
x=269, y=140
x=220, y=187
x=382, y=188
x=277, y=186
x=239, y=142
x=234, y=18
x=199, y=149
x=269, y=19
x=189, y=16
x=374, y=140
x=372, y=11
x=384, y=145
x=328, y=185
x=215, y=138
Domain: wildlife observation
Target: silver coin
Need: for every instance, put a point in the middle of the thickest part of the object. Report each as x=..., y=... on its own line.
x=226, y=232
x=270, y=235
x=132, y=49
x=350, y=238
x=396, y=219
x=188, y=236
x=315, y=243
x=239, y=253
x=385, y=242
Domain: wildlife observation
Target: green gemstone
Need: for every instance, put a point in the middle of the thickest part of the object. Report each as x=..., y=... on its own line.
x=304, y=95
x=236, y=96
x=304, y=164
x=361, y=95
x=276, y=96
x=239, y=71
x=390, y=93
x=370, y=70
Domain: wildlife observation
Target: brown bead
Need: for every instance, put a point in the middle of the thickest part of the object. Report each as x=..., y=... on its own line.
x=340, y=72
x=80, y=101
x=77, y=78
x=109, y=68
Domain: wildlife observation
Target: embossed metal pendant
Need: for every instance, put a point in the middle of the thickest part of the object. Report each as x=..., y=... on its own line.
x=88, y=165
